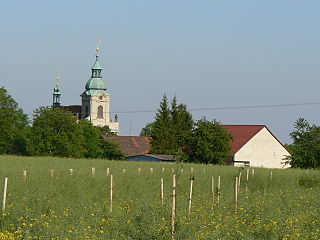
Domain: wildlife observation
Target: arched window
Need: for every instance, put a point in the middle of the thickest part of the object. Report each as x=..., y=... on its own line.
x=100, y=112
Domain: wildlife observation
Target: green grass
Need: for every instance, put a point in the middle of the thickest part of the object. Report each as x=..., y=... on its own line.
x=77, y=206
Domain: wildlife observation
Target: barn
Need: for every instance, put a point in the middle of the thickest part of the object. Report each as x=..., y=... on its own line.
x=256, y=146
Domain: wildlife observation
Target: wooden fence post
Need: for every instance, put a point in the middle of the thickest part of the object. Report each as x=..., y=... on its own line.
x=93, y=171
x=236, y=193
x=161, y=190
x=212, y=191
x=190, y=196
x=24, y=174
x=173, y=218
x=247, y=178
x=4, y=194
x=51, y=172
x=239, y=182
x=218, y=190
x=108, y=171
x=111, y=192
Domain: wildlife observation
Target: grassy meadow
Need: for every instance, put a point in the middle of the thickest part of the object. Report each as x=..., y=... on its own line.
x=76, y=206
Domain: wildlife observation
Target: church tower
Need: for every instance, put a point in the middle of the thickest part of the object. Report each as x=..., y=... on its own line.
x=96, y=100
x=56, y=93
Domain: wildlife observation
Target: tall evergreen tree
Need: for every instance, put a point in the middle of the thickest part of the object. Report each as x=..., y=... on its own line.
x=171, y=126
x=182, y=124
x=161, y=136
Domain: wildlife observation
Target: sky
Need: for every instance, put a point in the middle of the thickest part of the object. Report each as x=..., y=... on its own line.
x=208, y=53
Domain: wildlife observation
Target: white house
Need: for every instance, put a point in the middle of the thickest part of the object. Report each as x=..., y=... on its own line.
x=256, y=146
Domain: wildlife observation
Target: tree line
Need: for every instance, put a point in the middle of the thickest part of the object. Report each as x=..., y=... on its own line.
x=52, y=132
x=175, y=132
x=56, y=132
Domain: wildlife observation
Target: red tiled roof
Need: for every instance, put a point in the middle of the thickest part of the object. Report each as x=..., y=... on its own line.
x=75, y=109
x=132, y=145
x=242, y=134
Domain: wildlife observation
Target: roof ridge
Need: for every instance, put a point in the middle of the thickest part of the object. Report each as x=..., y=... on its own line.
x=260, y=125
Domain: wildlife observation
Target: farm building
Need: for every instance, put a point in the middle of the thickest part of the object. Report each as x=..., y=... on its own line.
x=256, y=146
x=252, y=145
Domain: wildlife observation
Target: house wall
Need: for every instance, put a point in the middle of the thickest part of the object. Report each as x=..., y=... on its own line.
x=263, y=150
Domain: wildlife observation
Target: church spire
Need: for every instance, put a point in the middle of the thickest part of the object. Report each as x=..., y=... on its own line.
x=96, y=68
x=56, y=92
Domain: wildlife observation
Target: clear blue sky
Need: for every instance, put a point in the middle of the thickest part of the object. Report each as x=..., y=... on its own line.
x=209, y=53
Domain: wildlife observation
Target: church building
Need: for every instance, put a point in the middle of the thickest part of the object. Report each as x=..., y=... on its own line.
x=96, y=100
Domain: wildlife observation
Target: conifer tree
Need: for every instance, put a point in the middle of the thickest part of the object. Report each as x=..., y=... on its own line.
x=161, y=136
x=182, y=124
x=171, y=126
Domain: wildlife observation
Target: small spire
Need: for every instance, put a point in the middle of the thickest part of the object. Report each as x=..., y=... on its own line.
x=96, y=68
x=58, y=78
x=98, y=43
x=56, y=92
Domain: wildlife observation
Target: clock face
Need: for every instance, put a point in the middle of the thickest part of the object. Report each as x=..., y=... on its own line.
x=100, y=97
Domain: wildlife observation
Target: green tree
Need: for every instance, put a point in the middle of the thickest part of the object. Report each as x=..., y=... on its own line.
x=13, y=125
x=305, y=149
x=170, y=128
x=55, y=132
x=182, y=123
x=147, y=130
x=92, y=143
x=161, y=136
x=209, y=143
x=111, y=150
x=105, y=130
x=97, y=147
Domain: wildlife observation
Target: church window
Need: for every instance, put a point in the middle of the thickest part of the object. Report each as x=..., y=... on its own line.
x=100, y=112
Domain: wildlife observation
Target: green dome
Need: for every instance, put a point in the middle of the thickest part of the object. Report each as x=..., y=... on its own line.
x=96, y=84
